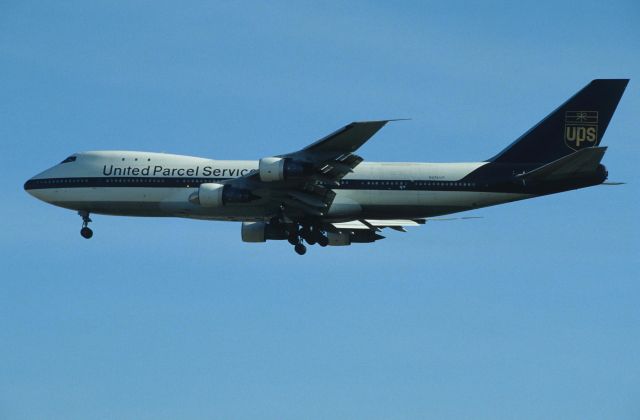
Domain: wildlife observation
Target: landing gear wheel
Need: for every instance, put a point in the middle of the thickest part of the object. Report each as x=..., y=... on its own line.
x=308, y=235
x=86, y=232
x=323, y=240
x=300, y=249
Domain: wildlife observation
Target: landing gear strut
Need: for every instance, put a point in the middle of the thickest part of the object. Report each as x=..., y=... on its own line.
x=311, y=234
x=308, y=235
x=295, y=239
x=86, y=232
x=294, y=235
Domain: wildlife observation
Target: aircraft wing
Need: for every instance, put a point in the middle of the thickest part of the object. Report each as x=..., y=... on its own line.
x=332, y=156
x=301, y=182
x=395, y=224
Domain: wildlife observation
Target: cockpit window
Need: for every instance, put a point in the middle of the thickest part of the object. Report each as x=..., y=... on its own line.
x=69, y=159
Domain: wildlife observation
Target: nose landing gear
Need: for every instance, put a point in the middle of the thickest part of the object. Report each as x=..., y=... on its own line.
x=86, y=232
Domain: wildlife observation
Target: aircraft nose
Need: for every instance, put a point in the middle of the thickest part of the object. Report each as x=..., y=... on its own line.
x=36, y=187
x=29, y=187
x=39, y=185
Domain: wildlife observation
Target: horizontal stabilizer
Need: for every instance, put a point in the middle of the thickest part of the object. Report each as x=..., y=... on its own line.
x=583, y=161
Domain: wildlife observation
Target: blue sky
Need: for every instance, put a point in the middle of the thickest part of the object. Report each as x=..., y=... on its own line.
x=530, y=312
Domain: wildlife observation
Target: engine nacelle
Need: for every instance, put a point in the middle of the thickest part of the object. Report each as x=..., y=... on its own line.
x=261, y=232
x=279, y=169
x=212, y=194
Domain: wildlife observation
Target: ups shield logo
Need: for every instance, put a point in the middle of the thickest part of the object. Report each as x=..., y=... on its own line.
x=580, y=129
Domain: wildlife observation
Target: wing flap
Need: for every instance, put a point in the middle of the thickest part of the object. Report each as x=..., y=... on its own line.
x=351, y=225
x=394, y=222
x=373, y=224
x=309, y=199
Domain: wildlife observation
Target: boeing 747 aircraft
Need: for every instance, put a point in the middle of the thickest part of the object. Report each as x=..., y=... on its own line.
x=324, y=193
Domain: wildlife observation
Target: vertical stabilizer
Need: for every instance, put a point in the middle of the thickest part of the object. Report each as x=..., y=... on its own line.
x=578, y=123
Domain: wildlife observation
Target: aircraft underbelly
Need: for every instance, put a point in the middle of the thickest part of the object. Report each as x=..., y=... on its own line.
x=140, y=201
x=134, y=201
x=394, y=203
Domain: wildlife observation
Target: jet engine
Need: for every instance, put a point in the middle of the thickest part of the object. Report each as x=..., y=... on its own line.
x=212, y=194
x=280, y=169
x=261, y=232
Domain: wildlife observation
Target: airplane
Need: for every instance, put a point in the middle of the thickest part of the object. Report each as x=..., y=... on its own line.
x=324, y=193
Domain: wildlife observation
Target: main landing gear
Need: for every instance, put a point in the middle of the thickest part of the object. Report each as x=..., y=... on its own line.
x=86, y=232
x=310, y=234
x=300, y=249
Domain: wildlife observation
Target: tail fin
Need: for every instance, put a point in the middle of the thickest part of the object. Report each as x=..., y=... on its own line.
x=578, y=123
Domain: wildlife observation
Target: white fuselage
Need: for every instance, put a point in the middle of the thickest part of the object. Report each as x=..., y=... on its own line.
x=158, y=184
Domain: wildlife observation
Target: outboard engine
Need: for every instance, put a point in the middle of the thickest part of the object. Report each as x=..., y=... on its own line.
x=280, y=169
